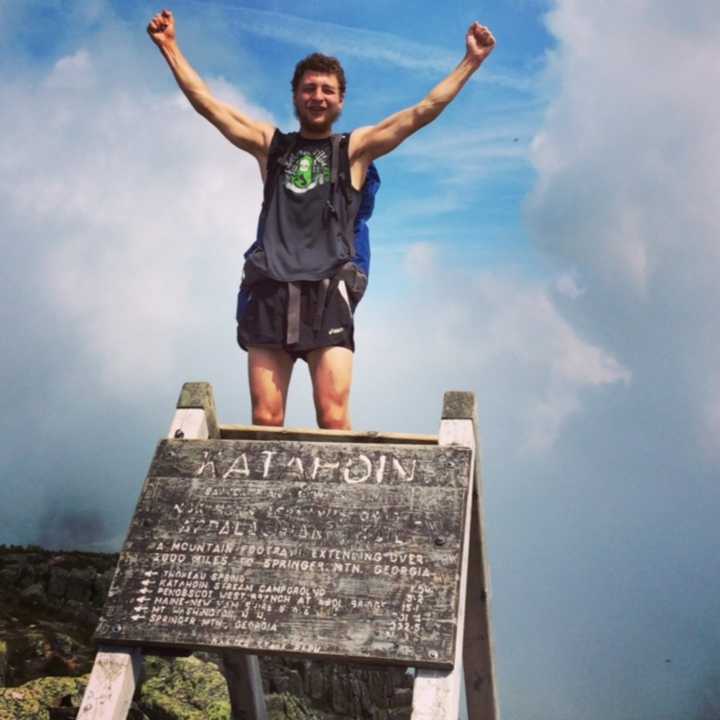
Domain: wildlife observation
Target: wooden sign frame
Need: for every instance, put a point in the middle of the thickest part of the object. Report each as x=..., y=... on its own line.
x=338, y=550
x=437, y=693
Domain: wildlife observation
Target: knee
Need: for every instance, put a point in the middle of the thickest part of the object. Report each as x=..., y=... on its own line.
x=268, y=416
x=332, y=414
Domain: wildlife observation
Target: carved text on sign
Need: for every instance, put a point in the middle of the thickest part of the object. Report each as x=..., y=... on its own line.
x=324, y=548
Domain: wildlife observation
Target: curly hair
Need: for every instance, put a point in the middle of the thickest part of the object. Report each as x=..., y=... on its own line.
x=317, y=62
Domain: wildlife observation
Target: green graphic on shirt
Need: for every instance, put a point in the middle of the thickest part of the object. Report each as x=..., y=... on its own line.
x=307, y=170
x=303, y=175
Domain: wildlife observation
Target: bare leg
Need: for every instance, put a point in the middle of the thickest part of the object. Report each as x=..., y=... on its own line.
x=269, y=371
x=331, y=373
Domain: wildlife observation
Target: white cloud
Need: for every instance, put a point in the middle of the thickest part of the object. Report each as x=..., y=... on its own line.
x=501, y=334
x=73, y=72
x=628, y=165
x=567, y=284
x=420, y=259
x=148, y=208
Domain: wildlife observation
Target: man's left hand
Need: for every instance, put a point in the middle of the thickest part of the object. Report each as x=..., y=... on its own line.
x=480, y=42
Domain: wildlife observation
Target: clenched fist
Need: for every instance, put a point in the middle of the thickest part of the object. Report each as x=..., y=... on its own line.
x=479, y=41
x=162, y=28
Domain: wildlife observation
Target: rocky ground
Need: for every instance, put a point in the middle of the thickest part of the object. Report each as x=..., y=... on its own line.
x=49, y=606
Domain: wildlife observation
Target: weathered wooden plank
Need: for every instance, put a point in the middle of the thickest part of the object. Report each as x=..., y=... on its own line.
x=459, y=405
x=116, y=670
x=111, y=685
x=200, y=396
x=242, y=673
x=189, y=423
x=436, y=694
x=330, y=549
x=478, y=655
x=261, y=432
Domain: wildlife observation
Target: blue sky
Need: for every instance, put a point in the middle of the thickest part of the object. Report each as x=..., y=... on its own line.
x=549, y=243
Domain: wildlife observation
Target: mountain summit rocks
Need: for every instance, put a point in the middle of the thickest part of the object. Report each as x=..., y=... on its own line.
x=49, y=605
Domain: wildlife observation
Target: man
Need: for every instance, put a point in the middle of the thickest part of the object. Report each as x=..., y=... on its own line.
x=294, y=311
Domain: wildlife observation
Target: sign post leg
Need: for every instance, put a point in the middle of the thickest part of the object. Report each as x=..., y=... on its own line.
x=112, y=684
x=196, y=418
x=477, y=646
x=436, y=694
x=245, y=686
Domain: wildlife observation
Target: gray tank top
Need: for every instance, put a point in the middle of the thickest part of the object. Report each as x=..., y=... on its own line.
x=300, y=237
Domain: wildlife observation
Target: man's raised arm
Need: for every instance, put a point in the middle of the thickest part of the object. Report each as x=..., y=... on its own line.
x=369, y=143
x=250, y=135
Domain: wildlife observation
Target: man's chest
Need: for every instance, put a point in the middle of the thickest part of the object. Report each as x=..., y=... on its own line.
x=307, y=170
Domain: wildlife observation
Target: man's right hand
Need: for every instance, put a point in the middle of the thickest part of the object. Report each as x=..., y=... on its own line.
x=162, y=28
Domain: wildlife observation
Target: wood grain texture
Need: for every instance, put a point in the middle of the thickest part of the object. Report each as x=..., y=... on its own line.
x=195, y=406
x=478, y=655
x=199, y=395
x=111, y=685
x=436, y=695
x=329, y=549
x=189, y=423
x=260, y=432
x=459, y=405
x=245, y=687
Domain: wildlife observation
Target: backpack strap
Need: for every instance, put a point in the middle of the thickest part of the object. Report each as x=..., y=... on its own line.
x=281, y=147
x=344, y=166
x=330, y=208
x=335, y=141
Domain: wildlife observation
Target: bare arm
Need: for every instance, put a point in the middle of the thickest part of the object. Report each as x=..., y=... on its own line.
x=371, y=142
x=250, y=135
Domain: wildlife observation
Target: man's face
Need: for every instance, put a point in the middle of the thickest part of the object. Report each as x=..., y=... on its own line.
x=318, y=102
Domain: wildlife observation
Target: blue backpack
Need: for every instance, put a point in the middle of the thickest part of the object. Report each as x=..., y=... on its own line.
x=357, y=270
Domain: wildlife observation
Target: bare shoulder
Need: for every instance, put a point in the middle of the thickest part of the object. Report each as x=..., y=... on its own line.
x=267, y=131
x=254, y=136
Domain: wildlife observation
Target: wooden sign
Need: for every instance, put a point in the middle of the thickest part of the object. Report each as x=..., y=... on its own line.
x=327, y=549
